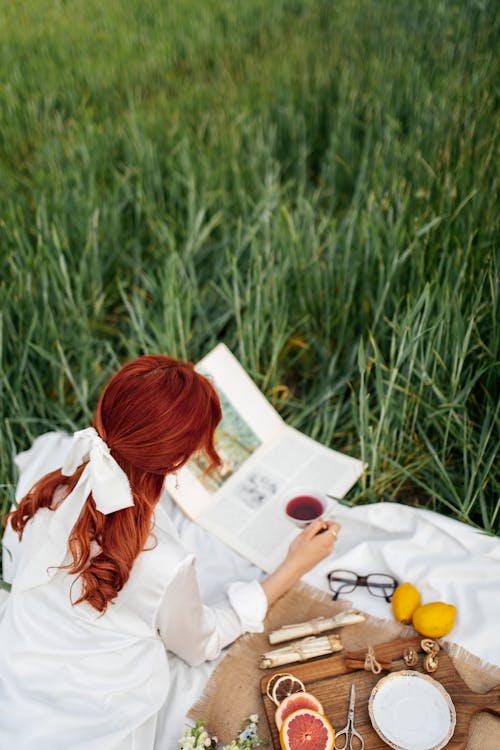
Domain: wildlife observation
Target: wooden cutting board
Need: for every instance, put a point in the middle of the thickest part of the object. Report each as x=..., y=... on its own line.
x=330, y=680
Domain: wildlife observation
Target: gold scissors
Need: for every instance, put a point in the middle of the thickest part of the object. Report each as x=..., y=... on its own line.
x=348, y=731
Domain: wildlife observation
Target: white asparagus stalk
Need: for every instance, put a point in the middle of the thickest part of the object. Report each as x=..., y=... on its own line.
x=302, y=650
x=316, y=626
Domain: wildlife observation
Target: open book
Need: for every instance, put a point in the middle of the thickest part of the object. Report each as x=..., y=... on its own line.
x=263, y=458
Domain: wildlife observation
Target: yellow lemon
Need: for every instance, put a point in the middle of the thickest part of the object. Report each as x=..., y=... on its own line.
x=405, y=600
x=434, y=619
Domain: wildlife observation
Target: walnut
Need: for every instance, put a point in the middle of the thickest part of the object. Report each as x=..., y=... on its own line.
x=410, y=657
x=431, y=663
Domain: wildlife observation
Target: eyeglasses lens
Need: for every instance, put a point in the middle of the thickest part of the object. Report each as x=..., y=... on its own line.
x=342, y=581
x=381, y=585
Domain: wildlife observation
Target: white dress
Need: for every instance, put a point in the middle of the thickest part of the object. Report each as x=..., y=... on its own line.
x=72, y=679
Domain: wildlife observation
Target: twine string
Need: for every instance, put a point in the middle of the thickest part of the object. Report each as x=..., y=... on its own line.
x=371, y=663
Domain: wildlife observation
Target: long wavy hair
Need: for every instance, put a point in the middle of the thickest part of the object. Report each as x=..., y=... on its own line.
x=153, y=414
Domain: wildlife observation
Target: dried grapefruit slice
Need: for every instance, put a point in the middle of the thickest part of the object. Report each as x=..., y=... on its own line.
x=293, y=702
x=272, y=682
x=306, y=729
x=286, y=685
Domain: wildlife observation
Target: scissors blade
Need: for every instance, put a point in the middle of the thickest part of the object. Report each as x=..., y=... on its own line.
x=352, y=701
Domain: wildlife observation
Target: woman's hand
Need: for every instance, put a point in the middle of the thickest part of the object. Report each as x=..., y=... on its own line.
x=313, y=544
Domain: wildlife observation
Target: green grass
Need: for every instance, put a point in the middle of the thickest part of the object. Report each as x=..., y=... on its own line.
x=314, y=183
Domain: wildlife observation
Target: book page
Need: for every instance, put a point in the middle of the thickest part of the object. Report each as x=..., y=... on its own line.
x=248, y=422
x=239, y=390
x=247, y=513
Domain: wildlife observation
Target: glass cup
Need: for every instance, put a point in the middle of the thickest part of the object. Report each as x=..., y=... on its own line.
x=302, y=505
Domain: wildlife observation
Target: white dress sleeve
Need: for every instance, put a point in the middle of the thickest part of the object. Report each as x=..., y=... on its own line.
x=45, y=455
x=198, y=633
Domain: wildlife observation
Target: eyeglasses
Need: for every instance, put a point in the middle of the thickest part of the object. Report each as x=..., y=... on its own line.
x=345, y=581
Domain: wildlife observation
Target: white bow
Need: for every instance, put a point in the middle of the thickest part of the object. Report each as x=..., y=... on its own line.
x=102, y=476
x=49, y=531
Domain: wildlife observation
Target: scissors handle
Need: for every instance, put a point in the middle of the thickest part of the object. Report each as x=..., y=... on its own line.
x=342, y=733
x=353, y=740
x=360, y=743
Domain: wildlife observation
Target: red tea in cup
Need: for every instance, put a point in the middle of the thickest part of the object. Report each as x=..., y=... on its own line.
x=302, y=506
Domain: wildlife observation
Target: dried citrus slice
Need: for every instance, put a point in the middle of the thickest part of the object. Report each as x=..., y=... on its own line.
x=272, y=682
x=306, y=729
x=286, y=685
x=293, y=702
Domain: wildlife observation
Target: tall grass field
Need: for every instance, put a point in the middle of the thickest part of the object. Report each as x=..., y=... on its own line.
x=313, y=182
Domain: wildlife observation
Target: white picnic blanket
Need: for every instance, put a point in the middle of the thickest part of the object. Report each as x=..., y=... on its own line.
x=447, y=561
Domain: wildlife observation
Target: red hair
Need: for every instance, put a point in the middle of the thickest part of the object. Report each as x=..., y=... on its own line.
x=153, y=414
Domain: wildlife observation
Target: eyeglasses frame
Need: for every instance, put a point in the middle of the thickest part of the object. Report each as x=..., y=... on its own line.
x=363, y=581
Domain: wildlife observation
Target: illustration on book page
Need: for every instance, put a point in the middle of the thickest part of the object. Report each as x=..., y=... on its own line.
x=235, y=441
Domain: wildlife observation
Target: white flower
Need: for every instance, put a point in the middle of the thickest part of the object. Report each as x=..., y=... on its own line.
x=208, y=742
x=254, y=718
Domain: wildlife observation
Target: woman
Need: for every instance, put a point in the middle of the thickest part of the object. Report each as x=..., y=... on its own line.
x=101, y=586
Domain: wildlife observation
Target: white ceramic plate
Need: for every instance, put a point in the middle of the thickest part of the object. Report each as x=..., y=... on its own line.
x=411, y=711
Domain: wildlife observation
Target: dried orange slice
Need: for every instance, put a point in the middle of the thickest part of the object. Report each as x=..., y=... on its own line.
x=293, y=702
x=286, y=685
x=306, y=728
x=272, y=682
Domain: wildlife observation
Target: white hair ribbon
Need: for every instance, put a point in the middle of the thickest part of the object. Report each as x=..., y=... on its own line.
x=103, y=476
x=47, y=533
